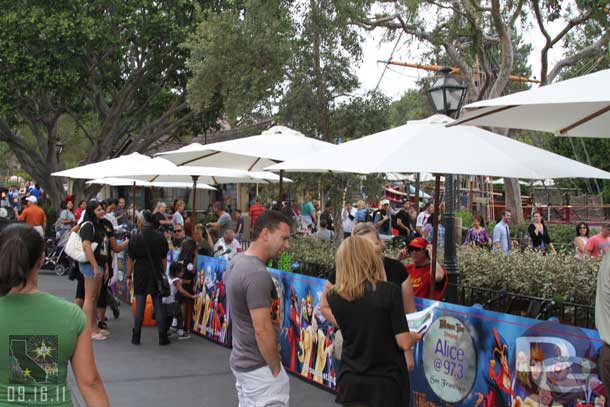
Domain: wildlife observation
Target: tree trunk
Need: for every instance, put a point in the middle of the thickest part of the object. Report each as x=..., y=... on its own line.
x=512, y=191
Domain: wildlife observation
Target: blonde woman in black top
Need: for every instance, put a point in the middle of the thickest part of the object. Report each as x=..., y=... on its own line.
x=376, y=338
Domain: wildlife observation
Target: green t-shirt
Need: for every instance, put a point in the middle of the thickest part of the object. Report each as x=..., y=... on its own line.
x=307, y=208
x=37, y=339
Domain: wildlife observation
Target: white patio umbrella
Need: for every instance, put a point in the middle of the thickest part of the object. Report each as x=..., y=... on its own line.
x=160, y=170
x=106, y=168
x=463, y=150
x=253, y=153
x=578, y=107
x=117, y=182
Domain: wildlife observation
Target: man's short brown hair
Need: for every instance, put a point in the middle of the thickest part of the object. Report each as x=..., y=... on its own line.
x=270, y=220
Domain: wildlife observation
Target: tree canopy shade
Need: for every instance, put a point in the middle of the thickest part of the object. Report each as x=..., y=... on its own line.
x=238, y=57
x=114, y=68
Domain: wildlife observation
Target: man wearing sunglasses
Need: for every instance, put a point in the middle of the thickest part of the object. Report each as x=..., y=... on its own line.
x=419, y=270
x=179, y=236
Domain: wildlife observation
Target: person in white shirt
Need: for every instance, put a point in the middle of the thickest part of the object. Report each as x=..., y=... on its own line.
x=422, y=218
x=227, y=246
x=348, y=219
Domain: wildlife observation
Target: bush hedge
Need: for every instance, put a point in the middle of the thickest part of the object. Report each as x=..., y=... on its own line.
x=560, y=277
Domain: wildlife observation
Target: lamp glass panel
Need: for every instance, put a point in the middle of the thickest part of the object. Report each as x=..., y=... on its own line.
x=437, y=99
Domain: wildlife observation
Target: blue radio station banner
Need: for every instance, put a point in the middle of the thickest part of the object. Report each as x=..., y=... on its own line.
x=472, y=357
x=468, y=357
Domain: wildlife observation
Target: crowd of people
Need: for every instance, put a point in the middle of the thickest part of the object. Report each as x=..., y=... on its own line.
x=366, y=299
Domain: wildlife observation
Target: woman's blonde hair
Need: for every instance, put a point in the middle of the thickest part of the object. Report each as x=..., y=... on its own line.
x=158, y=206
x=360, y=204
x=364, y=228
x=357, y=264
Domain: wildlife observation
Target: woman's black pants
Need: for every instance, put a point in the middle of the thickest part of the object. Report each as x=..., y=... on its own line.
x=159, y=312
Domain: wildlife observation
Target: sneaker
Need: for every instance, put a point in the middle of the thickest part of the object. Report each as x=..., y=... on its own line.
x=180, y=332
x=98, y=337
x=173, y=329
x=104, y=332
x=185, y=335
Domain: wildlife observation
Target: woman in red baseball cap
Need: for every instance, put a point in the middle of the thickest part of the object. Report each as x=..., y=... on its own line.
x=419, y=270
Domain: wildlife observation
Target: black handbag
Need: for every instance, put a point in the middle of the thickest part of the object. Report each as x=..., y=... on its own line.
x=162, y=283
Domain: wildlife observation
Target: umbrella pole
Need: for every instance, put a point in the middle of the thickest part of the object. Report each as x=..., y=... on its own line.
x=279, y=201
x=437, y=194
x=194, y=213
x=133, y=200
x=417, y=192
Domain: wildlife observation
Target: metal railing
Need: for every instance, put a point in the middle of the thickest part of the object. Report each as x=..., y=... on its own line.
x=581, y=315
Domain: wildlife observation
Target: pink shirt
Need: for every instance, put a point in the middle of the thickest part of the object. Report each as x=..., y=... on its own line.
x=596, y=244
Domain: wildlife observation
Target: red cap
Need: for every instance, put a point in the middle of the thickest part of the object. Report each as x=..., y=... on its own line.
x=418, y=243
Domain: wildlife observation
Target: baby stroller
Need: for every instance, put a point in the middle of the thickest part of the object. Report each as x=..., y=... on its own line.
x=56, y=259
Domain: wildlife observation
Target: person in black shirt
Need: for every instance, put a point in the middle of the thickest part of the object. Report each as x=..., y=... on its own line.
x=395, y=271
x=369, y=312
x=404, y=222
x=160, y=217
x=112, y=246
x=93, y=237
x=327, y=215
x=142, y=275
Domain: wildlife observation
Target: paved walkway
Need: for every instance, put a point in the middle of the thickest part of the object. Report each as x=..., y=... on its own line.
x=186, y=373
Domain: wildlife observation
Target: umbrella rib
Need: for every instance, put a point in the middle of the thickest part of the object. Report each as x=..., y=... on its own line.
x=254, y=164
x=199, y=158
x=500, y=109
x=584, y=120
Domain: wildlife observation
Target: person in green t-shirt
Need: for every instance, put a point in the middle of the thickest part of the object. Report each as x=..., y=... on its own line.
x=35, y=347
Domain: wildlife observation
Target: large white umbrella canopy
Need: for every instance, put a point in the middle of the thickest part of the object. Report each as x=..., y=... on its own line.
x=429, y=146
x=162, y=170
x=106, y=168
x=578, y=107
x=117, y=182
x=253, y=153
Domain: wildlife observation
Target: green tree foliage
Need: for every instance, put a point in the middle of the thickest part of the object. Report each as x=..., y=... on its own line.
x=114, y=68
x=239, y=58
x=413, y=105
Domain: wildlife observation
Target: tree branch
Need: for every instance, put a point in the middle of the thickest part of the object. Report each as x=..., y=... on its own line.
x=515, y=15
x=507, y=50
x=583, y=53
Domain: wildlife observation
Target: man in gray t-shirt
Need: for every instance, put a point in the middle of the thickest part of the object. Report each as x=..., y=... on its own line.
x=255, y=359
x=224, y=219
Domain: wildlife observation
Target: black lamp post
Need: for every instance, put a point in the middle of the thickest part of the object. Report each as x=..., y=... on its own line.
x=447, y=95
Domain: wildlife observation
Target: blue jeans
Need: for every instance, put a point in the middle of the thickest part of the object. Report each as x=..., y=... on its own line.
x=86, y=270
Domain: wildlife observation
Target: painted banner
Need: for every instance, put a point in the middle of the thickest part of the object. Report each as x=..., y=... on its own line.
x=472, y=357
x=468, y=357
x=211, y=317
x=305, y=337
x=118, y=284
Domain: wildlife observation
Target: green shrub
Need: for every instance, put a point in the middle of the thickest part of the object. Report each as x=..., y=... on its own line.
x=314, y=251
x=561, y=277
